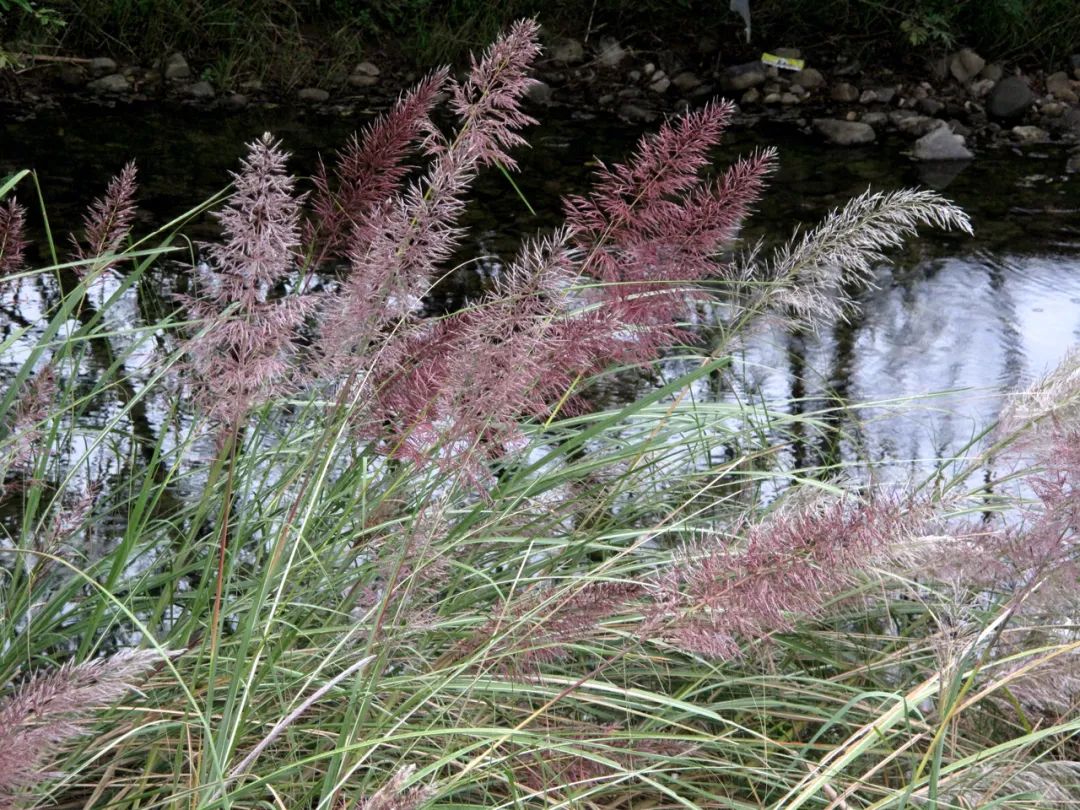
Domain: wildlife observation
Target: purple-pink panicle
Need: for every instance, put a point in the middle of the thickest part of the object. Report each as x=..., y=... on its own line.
x=12, y=237
x=244, y=354
x=51, y=709
x=108, y=222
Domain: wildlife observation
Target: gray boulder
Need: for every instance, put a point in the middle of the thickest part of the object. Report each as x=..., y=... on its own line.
x=742, y=77
x=844, y=133
x=810, y=78
x=203, y=91
x=686, y=81
x=315, y=95
x=942, y=144
x=611, y=53
x=844, y=92
x=1010, y=98
x=540, y=94
x=1060, y=87
x=176, y=67
x=113, y=83
x=102, y=66
x=965, y=65
x=566, y=51
x=1030, y=134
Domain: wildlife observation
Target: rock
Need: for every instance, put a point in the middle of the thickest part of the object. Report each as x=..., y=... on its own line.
x=809, y=78
x=540, y=94
x=637, y=115
x=743, y=77
x=566, y=52
x=1072, y=165
x=918, y=125
x=1010, y=98
x=202, y=91
x=772, y=98
x=366, y=69
x=611, y=53
x=1053, y=109
x=942, y=144
x=1074, y=63
x=102, y=66
x=787, y=99
x=686, y=81
x=1027, y=134
x=875, y=119
x=362, y=80
x=113, y=83
x=879, y=95
x=930, y=106
x=630, y=92
x=751, y=96
x=252, y=86
x=980, y=88
x=236, y=101
x=661, y=85
x=844, y=92
x=606, y=100
x=176, y=67
x=993, y=71
x=313, y=94
x=1060, y=87
x=71, y=76
x=965, y=65
x=649, y=68
x=634, y=75
x=844, y=133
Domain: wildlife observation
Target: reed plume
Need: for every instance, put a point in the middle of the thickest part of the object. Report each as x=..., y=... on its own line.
x=108, y=222
x=245, y=353
x=12, y=238
x=52, y=709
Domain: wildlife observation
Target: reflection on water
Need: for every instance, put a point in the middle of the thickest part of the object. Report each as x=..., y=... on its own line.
x=977, y=318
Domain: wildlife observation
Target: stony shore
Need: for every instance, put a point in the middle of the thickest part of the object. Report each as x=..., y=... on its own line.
x=959, y=105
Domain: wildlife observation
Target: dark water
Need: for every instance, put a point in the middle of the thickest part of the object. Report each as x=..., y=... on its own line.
x=979, y=317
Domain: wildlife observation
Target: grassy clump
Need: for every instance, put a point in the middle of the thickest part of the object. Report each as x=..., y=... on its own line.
x=391, y=560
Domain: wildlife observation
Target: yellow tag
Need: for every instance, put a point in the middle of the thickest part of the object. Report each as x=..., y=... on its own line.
x=783, y=62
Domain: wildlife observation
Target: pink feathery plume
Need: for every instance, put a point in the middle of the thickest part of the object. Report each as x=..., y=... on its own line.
x=31, y=410
x=108, y=222
x=52, y=709
x=12, y=238
x=467, y=380
x=368, y=170
x=400, y=246
x=652, y=226
x=718, y=595
x=245, y=354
